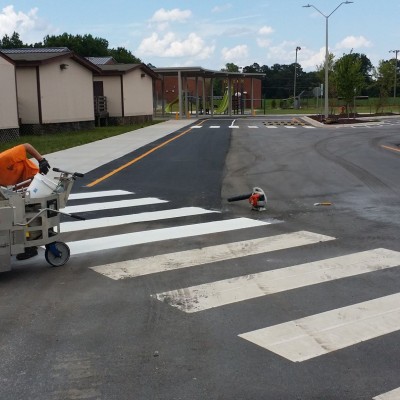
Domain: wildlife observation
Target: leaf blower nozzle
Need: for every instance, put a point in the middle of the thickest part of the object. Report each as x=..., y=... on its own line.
x=256, y=198
x=240, y=197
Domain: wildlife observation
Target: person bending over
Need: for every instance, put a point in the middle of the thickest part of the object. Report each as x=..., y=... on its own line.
x=15, y=167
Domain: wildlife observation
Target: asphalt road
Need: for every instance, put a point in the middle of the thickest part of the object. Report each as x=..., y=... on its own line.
x=188, y=296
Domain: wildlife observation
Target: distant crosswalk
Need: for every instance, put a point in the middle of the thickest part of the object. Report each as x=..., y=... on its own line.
x=296, y=340
x=287, y=124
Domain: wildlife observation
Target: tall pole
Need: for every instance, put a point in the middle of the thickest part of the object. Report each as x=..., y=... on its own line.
x=295, y=74
x=326, y=105
x=395, y=73
x=326, y=102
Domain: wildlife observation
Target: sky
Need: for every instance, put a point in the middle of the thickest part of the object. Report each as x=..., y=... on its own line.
x=211, y=34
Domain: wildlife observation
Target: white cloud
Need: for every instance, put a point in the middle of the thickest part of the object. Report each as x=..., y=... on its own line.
x=174, y=15
x=265, y=30
x=353, y=42
x=235, y=54
x=169, y=45
x=285, y=52
x=12, y=21
x=221, y=8
x=264, y=43
x=309, y=60
x=224, y=7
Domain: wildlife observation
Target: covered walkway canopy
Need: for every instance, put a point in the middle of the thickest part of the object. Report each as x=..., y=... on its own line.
x=183, y=74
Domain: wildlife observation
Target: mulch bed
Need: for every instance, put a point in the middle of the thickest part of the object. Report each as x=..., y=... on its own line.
x=345, y=119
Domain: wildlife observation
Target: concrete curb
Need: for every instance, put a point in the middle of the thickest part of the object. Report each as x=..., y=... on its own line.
x=315, y=123
x=89, y=156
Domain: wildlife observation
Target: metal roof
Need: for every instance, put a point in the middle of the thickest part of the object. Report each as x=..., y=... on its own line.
x=37, y=56
x=28, y=50
x=118, y=69
x=102, y=60
x=205, y=73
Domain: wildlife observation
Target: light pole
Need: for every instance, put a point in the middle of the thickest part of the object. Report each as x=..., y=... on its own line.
x=294, y=86
x=326, y=50
x=395, y=72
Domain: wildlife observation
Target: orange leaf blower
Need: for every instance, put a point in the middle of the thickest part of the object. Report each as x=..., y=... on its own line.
x=257, y=199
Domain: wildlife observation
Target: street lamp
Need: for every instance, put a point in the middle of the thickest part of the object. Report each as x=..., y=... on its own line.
x=395, y=72
x=294, y=87
x=326, y=49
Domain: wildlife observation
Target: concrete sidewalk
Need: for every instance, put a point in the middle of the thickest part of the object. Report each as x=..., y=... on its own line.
x=89, y=156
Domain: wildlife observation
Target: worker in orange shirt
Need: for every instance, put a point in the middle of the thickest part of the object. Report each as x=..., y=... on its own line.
x=15, y=167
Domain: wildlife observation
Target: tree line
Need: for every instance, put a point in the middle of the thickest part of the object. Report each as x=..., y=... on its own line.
x=83, y=45
x=349, y=76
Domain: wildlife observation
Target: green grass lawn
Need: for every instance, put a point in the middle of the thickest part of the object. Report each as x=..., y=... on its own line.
x=50, y=143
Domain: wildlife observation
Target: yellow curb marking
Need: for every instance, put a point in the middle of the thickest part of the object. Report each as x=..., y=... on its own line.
x=135, y=160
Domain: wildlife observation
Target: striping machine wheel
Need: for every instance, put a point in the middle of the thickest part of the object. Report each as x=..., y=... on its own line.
x=57, y=253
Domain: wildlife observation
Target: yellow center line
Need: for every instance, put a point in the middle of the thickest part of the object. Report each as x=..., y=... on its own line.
x=390, y=148
x=135, y=160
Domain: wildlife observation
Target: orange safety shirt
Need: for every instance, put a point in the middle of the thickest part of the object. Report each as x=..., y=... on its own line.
x=15, y=167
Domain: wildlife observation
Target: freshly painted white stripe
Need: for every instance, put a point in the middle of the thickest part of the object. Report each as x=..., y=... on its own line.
x=196, y=127
x=214, y=126
x=220, y=293
x=156, y=235
x=290, y=127
x=392, y=395
x=319, y=334
x=271, y=126
x=113, y=204
x=233, y=126
x=206, y=255
x=253, y=127
x=132, y=218
x=308, y=127
x=91, y=195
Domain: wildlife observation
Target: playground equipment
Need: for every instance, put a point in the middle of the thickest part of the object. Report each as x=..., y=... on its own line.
x=169, y=106
x=30, y=216
x=224, y=104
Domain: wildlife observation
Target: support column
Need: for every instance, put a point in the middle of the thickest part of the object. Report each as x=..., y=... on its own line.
x=197, y=96
x=212, y=97
x=162, y=97
x=252, y=96
x=186, y=98
x=204, y=96
x=180, y=95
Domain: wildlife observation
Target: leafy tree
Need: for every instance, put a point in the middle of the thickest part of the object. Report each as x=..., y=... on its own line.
x=124, y=56
x=13, y=42
x=85, y=46
x=252, y=68
x=230, y=67
x=348, y=77
x=384, y=81
x=321, y=74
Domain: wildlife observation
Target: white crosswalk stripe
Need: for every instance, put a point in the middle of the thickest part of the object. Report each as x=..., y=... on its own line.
x=323, y=333
x=94, y=195
x=132, y=218
x=217, y=294
x=296, y=340
x=112, y=205
x=392, y=395
x=189, y=258
x=155, y=235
